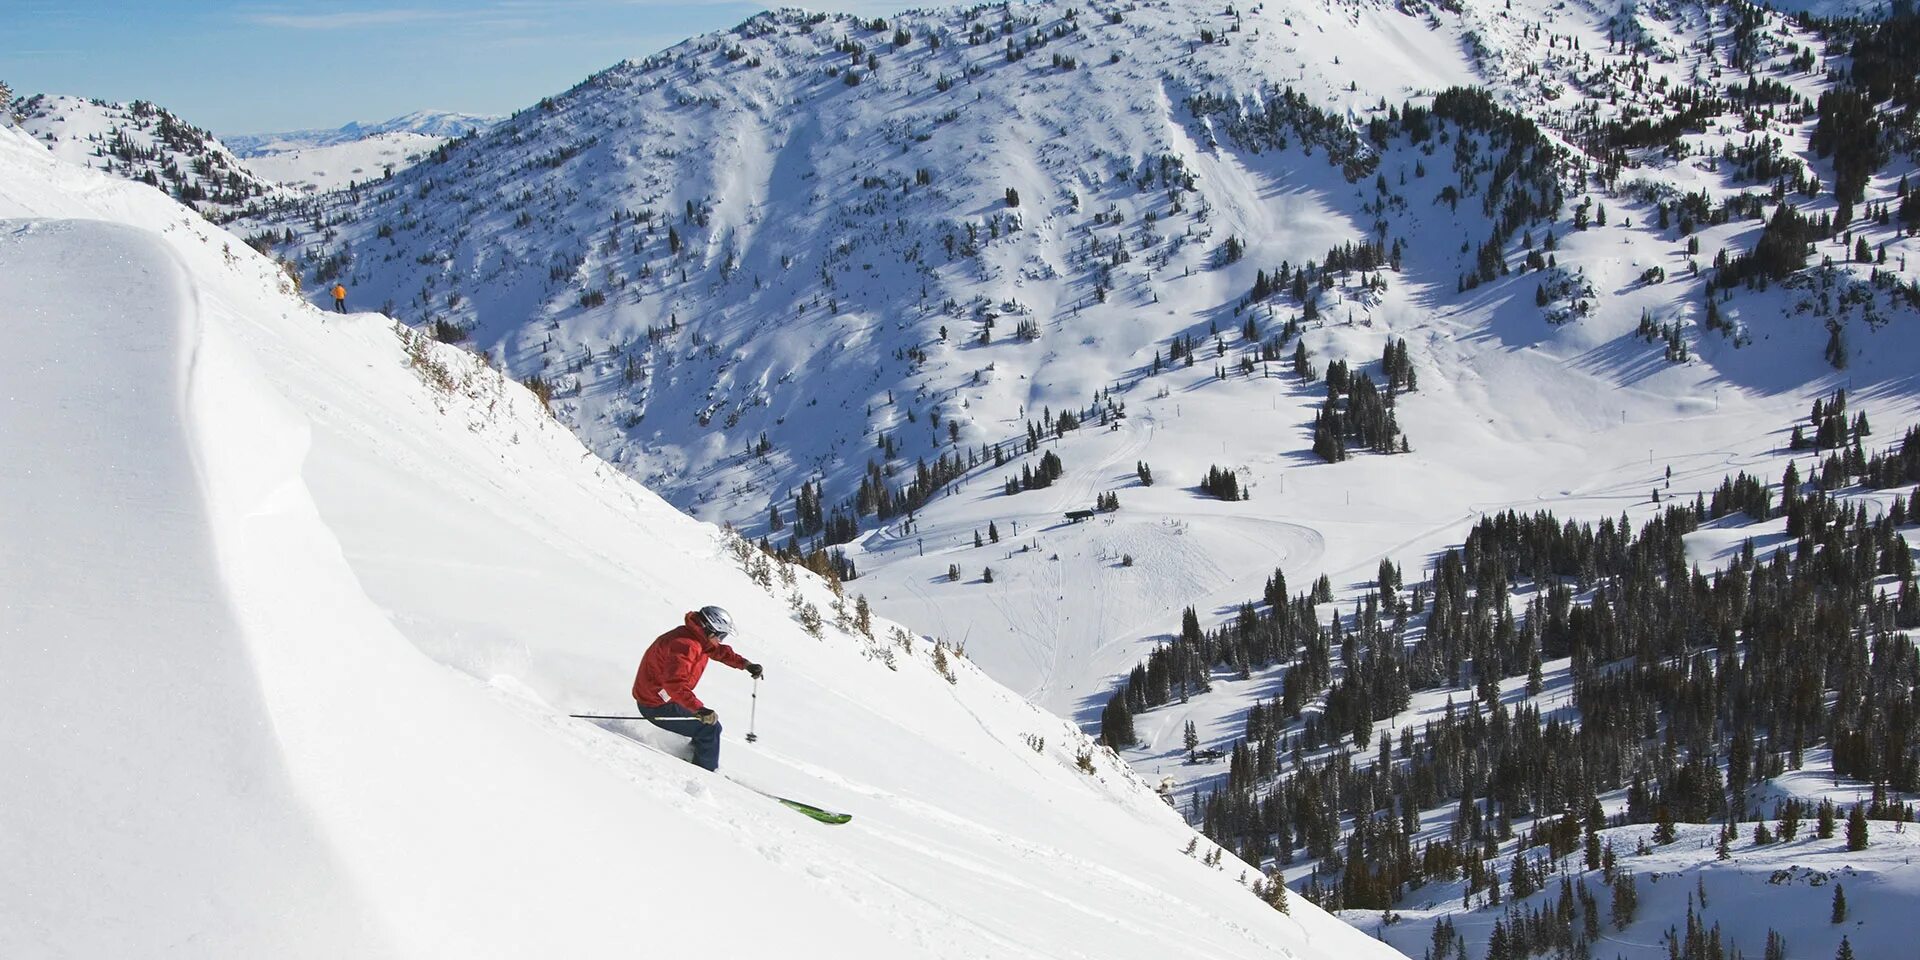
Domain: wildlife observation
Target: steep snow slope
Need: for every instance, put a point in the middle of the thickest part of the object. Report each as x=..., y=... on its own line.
x=389, y=575
x=146, y=143
x=320, y=160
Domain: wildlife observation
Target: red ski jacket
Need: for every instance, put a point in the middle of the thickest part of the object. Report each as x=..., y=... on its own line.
x=674, y=663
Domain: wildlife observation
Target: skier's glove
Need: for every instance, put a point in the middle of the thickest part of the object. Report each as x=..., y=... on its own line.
x=754, y=671
x=706, y=715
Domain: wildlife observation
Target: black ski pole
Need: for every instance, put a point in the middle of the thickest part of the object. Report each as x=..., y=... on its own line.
x=597, y=716
x=753, y=712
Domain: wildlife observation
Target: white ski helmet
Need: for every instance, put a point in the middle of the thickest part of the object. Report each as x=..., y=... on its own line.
x=714, y=621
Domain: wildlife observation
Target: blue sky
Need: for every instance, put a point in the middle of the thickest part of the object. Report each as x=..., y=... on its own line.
x=254, y=67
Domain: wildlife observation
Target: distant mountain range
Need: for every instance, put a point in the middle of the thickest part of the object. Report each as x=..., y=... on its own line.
x=429, y=123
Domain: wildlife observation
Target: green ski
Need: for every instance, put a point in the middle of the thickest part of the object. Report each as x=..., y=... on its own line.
x=824, y=816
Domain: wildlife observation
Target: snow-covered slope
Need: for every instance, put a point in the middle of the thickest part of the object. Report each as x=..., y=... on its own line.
x=319, y=160
x=1785, y=887
x=1868, y=9
x=298, y=604
x=740, y=273
x=147, y=143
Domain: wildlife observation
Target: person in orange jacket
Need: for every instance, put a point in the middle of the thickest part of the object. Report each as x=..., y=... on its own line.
x=339, y=298
x=671, y=668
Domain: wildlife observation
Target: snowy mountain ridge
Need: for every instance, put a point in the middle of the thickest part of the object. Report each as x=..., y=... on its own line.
x=341, y=586
x=741, y=264
x=146, y=143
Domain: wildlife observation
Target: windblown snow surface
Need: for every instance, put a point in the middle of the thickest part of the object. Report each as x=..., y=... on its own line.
x=294, y=615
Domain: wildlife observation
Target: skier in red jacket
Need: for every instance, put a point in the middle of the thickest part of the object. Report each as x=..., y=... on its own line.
x=671, y=668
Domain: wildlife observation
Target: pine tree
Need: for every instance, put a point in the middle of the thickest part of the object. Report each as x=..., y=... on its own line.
x=1839, y=904
x=1520, y=877
x=1277, y=892
x=1845, y=952
x=1191, y=738
x=1857, y=828
x=1116, y=723
x=1663, y=829
x=1626, y=901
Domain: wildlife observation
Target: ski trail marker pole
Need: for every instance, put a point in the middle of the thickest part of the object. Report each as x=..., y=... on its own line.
x=753, y=712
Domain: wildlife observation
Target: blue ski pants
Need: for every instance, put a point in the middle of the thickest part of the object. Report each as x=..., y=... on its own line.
x=705, y=736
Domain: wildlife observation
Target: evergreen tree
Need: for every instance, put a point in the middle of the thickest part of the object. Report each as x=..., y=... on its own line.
x=1626, y=901
x=1116, y=723
x=1520, y=877
x=1839, y=904
x=1277, y=892
x=1857, y=828
x=1663, y=830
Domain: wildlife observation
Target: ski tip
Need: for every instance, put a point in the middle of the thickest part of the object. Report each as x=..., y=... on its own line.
x=824, y=816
